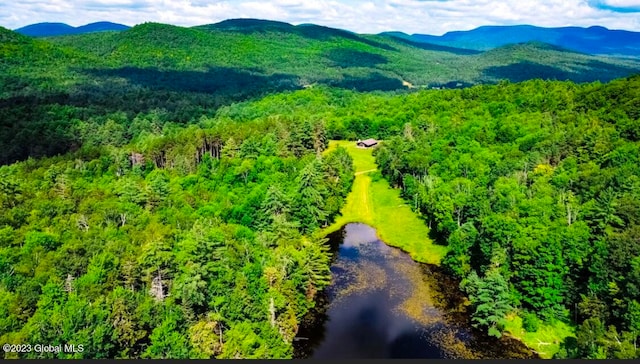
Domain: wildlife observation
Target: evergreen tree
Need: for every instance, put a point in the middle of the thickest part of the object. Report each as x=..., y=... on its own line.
x=311, y=196
x=490, y=298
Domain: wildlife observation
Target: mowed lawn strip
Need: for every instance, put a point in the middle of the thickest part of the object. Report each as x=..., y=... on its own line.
x=362, y=158
x=377, y=204
x=399, y=226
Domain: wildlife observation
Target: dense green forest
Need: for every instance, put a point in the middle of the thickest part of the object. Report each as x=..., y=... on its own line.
x=158, y=206
x=202, y=246
x=535, y=187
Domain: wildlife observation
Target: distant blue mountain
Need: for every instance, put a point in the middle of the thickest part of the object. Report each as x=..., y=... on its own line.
x=46, y=29
x=592, y=40
x=54, y=29
x=101, y=26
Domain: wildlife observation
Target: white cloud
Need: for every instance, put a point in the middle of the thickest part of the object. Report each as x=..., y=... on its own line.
x=370, y=16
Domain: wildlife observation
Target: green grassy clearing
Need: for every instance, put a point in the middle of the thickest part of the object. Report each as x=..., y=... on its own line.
x=373, y=202
x=546, y=341
x=362, y=158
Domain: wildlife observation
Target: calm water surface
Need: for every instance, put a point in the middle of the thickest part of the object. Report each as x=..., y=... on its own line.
x=382, y=304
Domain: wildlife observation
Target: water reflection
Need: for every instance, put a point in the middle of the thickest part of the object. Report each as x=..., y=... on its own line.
x=381, y=304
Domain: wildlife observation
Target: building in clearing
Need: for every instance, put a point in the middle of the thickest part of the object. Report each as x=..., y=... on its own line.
x=368, y=143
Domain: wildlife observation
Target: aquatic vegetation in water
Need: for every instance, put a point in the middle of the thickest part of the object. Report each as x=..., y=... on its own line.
x=360, y=277
x=384, y=303
x=454, y=347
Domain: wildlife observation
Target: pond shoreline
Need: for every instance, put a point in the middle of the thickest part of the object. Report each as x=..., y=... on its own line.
x=424, y=286
x=383, y=206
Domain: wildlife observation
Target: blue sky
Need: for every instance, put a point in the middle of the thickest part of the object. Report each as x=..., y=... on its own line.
x=371, y=16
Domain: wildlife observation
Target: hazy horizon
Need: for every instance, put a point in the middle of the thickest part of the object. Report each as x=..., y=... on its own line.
x=390, y=30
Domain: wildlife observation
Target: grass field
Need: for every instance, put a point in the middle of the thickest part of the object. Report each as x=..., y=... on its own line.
x=373, y=202
x=546, y=341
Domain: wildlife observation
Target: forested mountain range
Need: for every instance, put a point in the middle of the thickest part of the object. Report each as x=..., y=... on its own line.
x=592, y=40
x=188, y=72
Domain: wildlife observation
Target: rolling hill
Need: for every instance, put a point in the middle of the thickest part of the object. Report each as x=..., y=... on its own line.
x=593, y=40
x=179, y=74
x=56, y=29
x=310, y=54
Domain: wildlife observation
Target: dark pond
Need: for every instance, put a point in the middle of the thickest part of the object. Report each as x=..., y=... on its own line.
x=382, y=304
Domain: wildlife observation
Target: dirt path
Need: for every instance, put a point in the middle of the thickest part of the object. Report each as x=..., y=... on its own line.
x=407, y=84
x=367, y=171
x=365, y=198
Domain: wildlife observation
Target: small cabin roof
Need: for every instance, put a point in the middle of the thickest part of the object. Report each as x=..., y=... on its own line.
x=368, y=142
